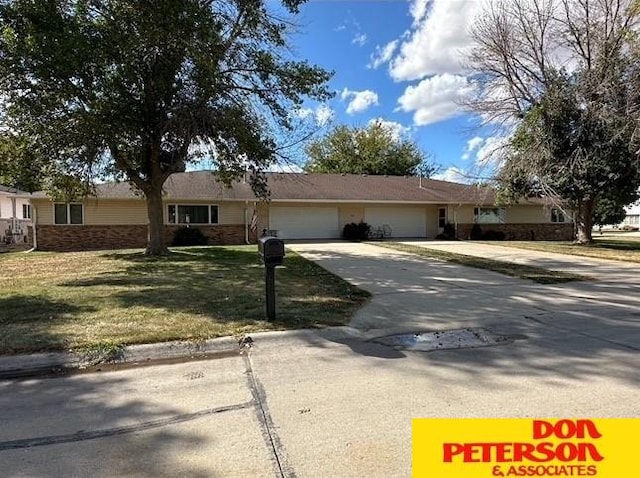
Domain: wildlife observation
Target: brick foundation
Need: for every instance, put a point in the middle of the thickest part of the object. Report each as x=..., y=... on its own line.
x=220, y=235
x=524, y=232
x=86, y=238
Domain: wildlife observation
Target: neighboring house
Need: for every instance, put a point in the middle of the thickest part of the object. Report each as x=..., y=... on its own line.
x=15, y=215
x=633, y=216
x=301, y=206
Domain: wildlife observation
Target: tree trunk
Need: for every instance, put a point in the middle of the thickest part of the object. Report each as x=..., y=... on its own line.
x=155, y=240
x=584, y=222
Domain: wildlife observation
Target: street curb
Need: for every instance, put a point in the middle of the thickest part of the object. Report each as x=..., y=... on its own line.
x=24, y=366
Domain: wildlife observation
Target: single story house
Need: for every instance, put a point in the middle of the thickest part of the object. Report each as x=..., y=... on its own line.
x=15, y=215
x=301, y=206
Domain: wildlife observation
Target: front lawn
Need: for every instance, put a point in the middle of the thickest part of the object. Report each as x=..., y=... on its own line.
x=57, y=301
x=618, y=249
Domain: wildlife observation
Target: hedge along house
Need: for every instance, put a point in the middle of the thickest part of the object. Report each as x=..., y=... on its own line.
x=301, y=206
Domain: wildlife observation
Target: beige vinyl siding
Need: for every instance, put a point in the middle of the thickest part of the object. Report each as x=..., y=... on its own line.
x=102, y=212
x=262, y=210
x=232, y=212
x=432, y=221
x=528, y=214
x=44, y=211
x=462, y=214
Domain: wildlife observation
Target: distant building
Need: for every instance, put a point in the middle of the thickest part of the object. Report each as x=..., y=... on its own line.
x=633, y=216
x=15, y=215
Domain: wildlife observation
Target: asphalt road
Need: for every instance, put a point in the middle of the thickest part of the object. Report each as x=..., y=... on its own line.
x=317, y=404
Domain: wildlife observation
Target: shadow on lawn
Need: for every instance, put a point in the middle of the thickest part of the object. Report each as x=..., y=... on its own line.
x=27, y=323
x=227, y=285
x=618, y=245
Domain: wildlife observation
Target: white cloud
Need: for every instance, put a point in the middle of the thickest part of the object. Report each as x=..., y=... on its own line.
x=397, y=130
x=490, y=153
x=454, y=175
x=435, y=99
x=418, y=10
x=360, y=39
x=383, y=54
x=303, y=112
x=473, y=144
x=324, y=114
x=284, y=168
x=360, y=100
x=437, y=41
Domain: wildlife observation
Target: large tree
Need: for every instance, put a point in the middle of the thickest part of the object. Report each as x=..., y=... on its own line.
x=19, y=166
x=140, y=88
x=563, y=77
x=376, y=149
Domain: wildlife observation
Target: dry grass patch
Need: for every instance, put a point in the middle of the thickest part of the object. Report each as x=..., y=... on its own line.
x=56, y=301
x=622, y=249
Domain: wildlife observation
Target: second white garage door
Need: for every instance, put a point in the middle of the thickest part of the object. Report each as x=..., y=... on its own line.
x=305, y=222
x=404, y=222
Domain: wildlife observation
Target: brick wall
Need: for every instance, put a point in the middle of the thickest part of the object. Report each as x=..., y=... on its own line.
x=524, y=232
x=85, y=238
x=222, y=234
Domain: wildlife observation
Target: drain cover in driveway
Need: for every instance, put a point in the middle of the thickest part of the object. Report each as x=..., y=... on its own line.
x=446, y=339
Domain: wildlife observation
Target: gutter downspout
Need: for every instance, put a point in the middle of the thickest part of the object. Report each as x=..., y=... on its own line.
x=34, y=222
x=14, y=212
x=246, y=222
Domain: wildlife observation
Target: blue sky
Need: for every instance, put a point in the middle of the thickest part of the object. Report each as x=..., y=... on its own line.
x=398, y=60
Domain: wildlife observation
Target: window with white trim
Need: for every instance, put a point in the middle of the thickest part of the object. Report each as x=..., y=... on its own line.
x=26, y=211
x=442, y=217
x=489, y=215
x=68, y=213
x=192, y=214
x=557, y=215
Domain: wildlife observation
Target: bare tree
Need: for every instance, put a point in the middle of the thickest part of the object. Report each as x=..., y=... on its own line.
x=563, y=74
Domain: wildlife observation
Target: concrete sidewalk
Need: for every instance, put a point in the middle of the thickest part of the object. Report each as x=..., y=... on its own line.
x=330, y=403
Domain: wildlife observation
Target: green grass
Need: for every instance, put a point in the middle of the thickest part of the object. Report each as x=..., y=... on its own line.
x=95, y=302
x=627, y=250
x=536, y=274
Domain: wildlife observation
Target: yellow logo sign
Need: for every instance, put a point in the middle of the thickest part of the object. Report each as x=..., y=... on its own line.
x=479, y=448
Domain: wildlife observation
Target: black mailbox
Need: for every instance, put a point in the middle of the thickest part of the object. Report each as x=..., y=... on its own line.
x=271, y=250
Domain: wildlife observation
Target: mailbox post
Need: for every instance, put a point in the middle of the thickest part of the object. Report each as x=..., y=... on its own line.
x=271, y=252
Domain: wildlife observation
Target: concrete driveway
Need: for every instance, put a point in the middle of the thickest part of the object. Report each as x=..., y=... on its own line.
x=327, y=403
x=411, y=293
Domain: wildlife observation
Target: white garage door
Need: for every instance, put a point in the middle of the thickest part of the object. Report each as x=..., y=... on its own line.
x=305, y=222
x=404, y=222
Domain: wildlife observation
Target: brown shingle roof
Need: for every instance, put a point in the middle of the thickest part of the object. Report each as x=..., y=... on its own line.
x=350, y=187
x=312, y=187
